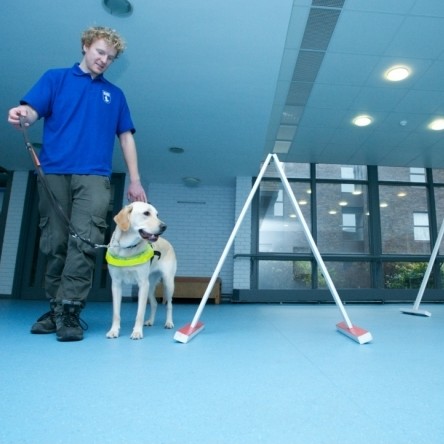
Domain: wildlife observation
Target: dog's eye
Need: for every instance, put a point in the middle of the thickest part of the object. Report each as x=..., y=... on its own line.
x=147, y=213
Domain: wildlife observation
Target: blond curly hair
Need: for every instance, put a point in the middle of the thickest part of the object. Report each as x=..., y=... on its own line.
x=100, y=32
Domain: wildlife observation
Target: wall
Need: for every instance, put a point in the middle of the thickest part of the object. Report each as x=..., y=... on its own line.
x=200, y=221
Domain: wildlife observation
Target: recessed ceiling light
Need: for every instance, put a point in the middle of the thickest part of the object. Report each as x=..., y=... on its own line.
x=362, y=120
x=397, y=73
x=437, y=125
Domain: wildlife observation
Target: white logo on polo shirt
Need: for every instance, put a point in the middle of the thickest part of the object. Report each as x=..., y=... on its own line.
x=106, y=96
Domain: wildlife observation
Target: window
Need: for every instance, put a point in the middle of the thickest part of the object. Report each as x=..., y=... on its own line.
x=417, y=175
x=402, y=174
x=279, y=205
x=292, y=170
x=347, y=173
x=365, y=243
x=349, y=223
x=279, y=230
x=439, y=205
x=342, y=225
x=400, y=227
x=421, y=226
x=352, y=172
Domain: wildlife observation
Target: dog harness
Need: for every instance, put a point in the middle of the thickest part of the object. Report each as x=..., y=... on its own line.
x=128, y=261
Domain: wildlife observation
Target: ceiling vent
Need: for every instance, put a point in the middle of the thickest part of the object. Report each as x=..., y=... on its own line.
x=320, y=26
x=321, y=23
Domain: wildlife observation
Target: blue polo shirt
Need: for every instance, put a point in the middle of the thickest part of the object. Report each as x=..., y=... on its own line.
x=82, y=118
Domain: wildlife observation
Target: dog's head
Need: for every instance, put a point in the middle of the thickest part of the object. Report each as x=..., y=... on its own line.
x=142, y=218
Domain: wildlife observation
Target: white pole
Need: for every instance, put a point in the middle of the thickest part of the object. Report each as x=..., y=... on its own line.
x=429, y=267
x=230, y=242
x=312, y=243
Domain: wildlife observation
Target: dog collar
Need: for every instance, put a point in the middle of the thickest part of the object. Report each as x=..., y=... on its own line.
x=123, y=261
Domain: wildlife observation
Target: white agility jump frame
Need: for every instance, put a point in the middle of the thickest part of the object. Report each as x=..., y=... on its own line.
x=358, y=334
x=415, y=309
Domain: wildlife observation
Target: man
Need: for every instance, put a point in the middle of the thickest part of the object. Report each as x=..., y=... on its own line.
x=82, y=113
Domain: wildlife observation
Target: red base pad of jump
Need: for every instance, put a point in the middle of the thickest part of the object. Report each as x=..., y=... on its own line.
x=356, y=333
x=187, y=332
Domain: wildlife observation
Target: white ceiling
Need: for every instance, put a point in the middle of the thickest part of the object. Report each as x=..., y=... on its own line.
x=224, y=79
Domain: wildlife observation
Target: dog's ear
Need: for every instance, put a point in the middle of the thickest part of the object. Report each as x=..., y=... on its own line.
x=122, y=218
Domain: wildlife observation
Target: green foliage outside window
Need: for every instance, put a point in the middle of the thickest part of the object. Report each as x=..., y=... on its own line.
x=405, y=275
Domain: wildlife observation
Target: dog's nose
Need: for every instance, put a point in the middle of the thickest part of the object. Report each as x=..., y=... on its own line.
x=163, y=227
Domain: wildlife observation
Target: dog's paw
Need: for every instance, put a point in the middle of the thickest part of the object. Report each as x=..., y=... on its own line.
x=112, y=334
x=136, y=334
x=149, y=323
x=169, y=324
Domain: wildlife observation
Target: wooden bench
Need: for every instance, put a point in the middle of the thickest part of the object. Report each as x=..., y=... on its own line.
x=193, y=288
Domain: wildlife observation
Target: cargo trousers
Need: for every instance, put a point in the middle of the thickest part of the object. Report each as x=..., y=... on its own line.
x=70, y=262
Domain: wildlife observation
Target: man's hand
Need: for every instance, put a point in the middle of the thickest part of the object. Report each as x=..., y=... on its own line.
x=22, y=113
x=136, y=193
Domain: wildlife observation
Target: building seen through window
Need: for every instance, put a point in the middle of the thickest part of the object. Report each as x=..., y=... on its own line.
x=370, y=224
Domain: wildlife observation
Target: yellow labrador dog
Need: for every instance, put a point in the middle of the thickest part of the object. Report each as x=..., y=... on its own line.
x=133, y=259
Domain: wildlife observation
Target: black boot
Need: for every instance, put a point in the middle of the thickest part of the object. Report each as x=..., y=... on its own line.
x=45, y=323
x=69, y=325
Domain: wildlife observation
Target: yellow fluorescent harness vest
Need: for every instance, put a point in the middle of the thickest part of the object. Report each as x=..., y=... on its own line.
x=120, y=261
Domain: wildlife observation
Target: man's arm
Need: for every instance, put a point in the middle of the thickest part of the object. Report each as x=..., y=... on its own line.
x=135, y=189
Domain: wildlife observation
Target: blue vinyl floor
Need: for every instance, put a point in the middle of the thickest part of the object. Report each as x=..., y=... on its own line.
x=256, y=374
